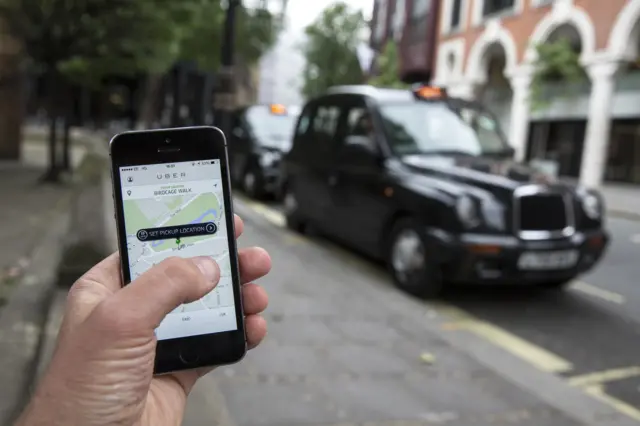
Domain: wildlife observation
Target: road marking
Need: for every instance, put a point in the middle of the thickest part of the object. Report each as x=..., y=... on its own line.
x=601, y=377
x=273, y=216
x=533, y=354
x=598, y=292
x=597, y=391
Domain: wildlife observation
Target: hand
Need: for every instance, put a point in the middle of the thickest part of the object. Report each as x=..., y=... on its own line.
x=102, y=369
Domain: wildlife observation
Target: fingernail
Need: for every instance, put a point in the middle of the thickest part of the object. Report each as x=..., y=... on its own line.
x=208, y=267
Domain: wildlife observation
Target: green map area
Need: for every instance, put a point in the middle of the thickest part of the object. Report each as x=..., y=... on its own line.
x=170, y=211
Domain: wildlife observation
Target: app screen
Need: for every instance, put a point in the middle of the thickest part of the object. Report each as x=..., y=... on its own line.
x=177, y=209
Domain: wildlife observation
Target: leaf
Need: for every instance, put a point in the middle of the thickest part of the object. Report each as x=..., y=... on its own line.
x=330, y=49
x=388, y=68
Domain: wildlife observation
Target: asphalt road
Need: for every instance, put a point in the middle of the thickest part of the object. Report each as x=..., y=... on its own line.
x=589, y=334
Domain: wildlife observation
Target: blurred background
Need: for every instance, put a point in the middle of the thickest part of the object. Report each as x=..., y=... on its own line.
x=345, y=346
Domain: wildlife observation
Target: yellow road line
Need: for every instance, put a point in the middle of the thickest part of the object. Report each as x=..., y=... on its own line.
x=597, y=391
x=535, y=355
x=273, y=216
x=601, y=377
x=598, y=292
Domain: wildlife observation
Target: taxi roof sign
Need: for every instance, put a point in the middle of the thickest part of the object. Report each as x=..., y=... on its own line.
x=429, y=92
x=278, y=109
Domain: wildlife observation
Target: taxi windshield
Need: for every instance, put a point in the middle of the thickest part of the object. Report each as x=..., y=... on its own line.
x=441, y=128
x=270, y=129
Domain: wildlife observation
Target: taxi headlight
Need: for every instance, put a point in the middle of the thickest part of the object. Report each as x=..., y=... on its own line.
x=493, y=214
x=468, y=212
x=592, y=206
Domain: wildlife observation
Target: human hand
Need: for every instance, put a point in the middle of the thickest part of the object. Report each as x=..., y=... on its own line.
x=102, y=369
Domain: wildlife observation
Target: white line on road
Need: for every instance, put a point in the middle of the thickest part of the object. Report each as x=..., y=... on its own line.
x=598, y=292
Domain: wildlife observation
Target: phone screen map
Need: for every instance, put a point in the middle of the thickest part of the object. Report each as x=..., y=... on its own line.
x=177, y=209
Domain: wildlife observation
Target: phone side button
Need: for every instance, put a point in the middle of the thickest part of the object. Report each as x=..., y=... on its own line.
x=189, y=356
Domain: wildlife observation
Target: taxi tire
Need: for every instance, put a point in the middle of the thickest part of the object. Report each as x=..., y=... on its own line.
x=293, y=219
x=257, y=192
x=429, y=283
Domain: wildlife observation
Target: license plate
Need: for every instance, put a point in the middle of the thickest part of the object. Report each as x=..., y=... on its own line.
x=550, y=260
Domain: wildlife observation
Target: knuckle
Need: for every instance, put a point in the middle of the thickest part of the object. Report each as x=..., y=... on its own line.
x=111, y=320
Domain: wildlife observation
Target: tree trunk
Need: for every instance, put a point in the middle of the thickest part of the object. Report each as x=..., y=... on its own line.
x=149, y=107
x=53, y=170
x=66, y=143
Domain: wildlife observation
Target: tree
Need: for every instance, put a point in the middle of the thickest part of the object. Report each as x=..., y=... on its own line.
x=330, y=49
x=388, y=68
x=82, y=41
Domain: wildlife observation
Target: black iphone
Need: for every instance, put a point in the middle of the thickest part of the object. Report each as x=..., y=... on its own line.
x=172, y=197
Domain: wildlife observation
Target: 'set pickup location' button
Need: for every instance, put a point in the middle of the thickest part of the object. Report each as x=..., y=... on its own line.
x=179, y=231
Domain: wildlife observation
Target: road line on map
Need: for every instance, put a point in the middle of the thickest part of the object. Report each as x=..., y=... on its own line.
x=598, y=292
x=601, y=377
x=533, y=354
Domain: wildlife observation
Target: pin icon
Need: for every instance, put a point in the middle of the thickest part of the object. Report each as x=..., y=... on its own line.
x=128, y=192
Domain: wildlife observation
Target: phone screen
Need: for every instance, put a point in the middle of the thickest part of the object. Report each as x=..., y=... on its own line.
x=177, y=209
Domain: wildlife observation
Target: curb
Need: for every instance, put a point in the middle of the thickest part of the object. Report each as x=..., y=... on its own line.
x=624, y=214
x=23, y=318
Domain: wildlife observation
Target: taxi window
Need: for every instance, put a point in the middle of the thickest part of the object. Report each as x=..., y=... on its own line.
x=325, y=122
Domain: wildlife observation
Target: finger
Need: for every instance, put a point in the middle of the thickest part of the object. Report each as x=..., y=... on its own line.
x=238, y=225
x=254, y=299
x=146, y=301
x=256, y=330
x=254, y=262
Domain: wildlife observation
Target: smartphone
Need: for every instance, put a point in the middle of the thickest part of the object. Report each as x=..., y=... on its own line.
x=172, y=196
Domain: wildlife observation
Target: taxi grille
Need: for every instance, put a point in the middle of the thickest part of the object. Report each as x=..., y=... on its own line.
x=542, y=215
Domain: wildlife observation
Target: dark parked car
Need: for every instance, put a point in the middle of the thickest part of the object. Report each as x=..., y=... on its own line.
x=428, y=183
x=260, y=136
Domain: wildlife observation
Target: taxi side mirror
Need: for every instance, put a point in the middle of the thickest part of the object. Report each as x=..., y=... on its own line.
x=360, y=150
x=363, y=144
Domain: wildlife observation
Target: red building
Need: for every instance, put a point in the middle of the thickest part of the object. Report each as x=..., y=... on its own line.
x=412, y=24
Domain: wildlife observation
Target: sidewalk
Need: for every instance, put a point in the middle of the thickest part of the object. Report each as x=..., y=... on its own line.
x=345, y=348
x=622, y=200
x=34, y=227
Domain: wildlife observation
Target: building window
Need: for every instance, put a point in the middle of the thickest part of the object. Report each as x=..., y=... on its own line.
x=496, y=6
x=456, y=9
x=381, y=20
x=420, y=9
x=399, y=19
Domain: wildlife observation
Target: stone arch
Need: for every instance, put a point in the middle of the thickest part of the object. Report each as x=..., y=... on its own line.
x=563, y=14
x=477, y=63
x=621, y=43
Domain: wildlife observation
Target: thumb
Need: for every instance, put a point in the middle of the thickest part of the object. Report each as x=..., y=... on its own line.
x=164, y=287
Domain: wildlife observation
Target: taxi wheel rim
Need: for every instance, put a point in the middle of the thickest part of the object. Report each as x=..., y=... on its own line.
x=290, y=203
x=250, y=182
x=407, y=255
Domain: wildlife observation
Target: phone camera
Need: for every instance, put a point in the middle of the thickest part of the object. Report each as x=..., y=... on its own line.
x=167, y=140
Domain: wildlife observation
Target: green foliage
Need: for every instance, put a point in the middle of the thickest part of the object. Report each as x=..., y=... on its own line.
x=330, y=49
x=388, y=68
x=557, y=62
x=86, y=40
x=256, y=31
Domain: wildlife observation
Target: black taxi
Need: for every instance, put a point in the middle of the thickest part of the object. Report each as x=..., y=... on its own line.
x=260, y=135
x=428, y=184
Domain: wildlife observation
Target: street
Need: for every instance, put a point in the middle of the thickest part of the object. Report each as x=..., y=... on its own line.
x=346, y=347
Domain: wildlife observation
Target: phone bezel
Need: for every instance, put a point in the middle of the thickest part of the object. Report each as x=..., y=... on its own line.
x=137, y=148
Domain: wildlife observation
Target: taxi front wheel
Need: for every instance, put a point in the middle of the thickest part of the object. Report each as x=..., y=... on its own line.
x=412, y=266
x=292, y=210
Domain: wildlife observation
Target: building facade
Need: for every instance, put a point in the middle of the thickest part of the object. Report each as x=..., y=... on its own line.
x=411, y=24
x=487, y=50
